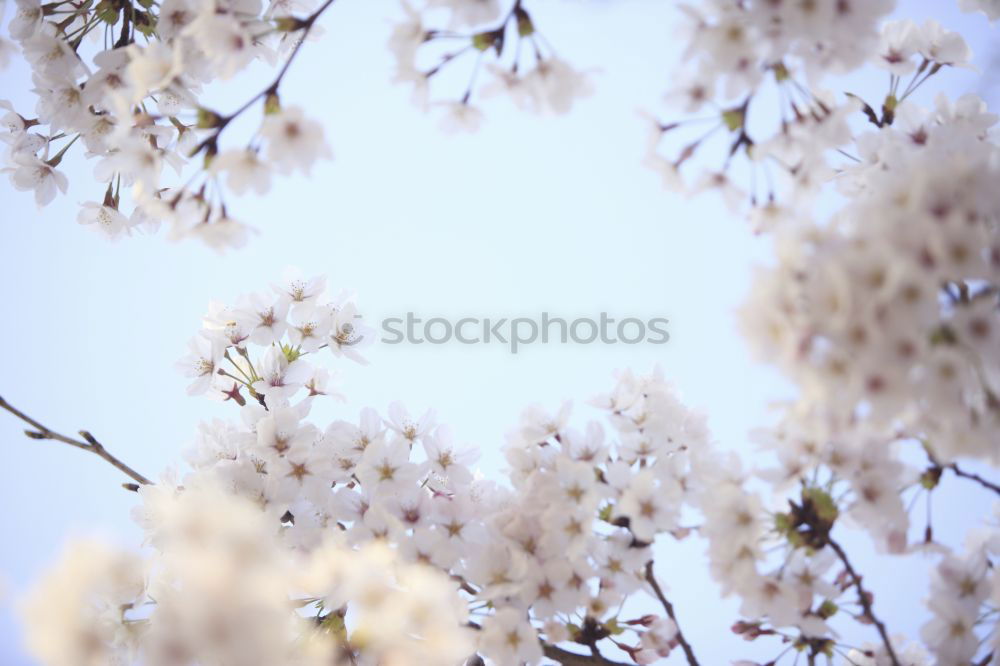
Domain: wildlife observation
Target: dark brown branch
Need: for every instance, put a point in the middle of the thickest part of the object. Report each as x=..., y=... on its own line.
x=865, y=598
x=937, y=467
x=567, y=658
x=669, y=607
x=89, y=443
x=973, y=477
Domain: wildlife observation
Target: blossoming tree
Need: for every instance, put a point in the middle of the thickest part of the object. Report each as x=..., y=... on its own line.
x=371, y=539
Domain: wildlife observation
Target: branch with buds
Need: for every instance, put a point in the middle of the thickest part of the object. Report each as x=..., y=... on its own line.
x=865, y=598
x=210, y=119
x=669, y=608
x=88, y=443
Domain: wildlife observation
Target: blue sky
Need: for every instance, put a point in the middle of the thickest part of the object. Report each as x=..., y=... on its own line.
x=528, y=215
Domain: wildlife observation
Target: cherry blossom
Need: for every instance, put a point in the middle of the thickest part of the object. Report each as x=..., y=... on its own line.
x=372, y=538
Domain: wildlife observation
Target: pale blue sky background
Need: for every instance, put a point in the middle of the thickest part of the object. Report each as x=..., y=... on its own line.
x=529, y=214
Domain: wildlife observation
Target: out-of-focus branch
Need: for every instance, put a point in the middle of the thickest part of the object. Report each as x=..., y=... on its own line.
x=937, y=467
x=669, y=607
x=89, y=443
x=865, y=598
x=973, y=477
x=567, y=658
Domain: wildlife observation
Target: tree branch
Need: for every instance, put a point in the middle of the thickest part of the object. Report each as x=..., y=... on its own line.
x=865, y=598
x=305, y=25
x=669, y=607
x=89, y=442
x=567, y=658
x=973, y=477
x=938, y=467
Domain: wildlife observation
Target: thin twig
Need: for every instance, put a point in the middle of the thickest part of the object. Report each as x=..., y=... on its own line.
x=669, y=607
x=567, y=658
x=865, y=598
x=938, y=466
x=89, y=442
x=305, y=25
x=973, y=477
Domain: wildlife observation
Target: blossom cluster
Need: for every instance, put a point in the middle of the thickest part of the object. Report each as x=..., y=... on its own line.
x=431, y=44
x=549, y=558
x=288, y=322
x=758, y=70
x=219, y=588
x=123, y=81
x=964, y=597
x=375, y=540
x=362, y=525
x=405, y=481
x=791, y=572
x=884, y=314
x=888, y=316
